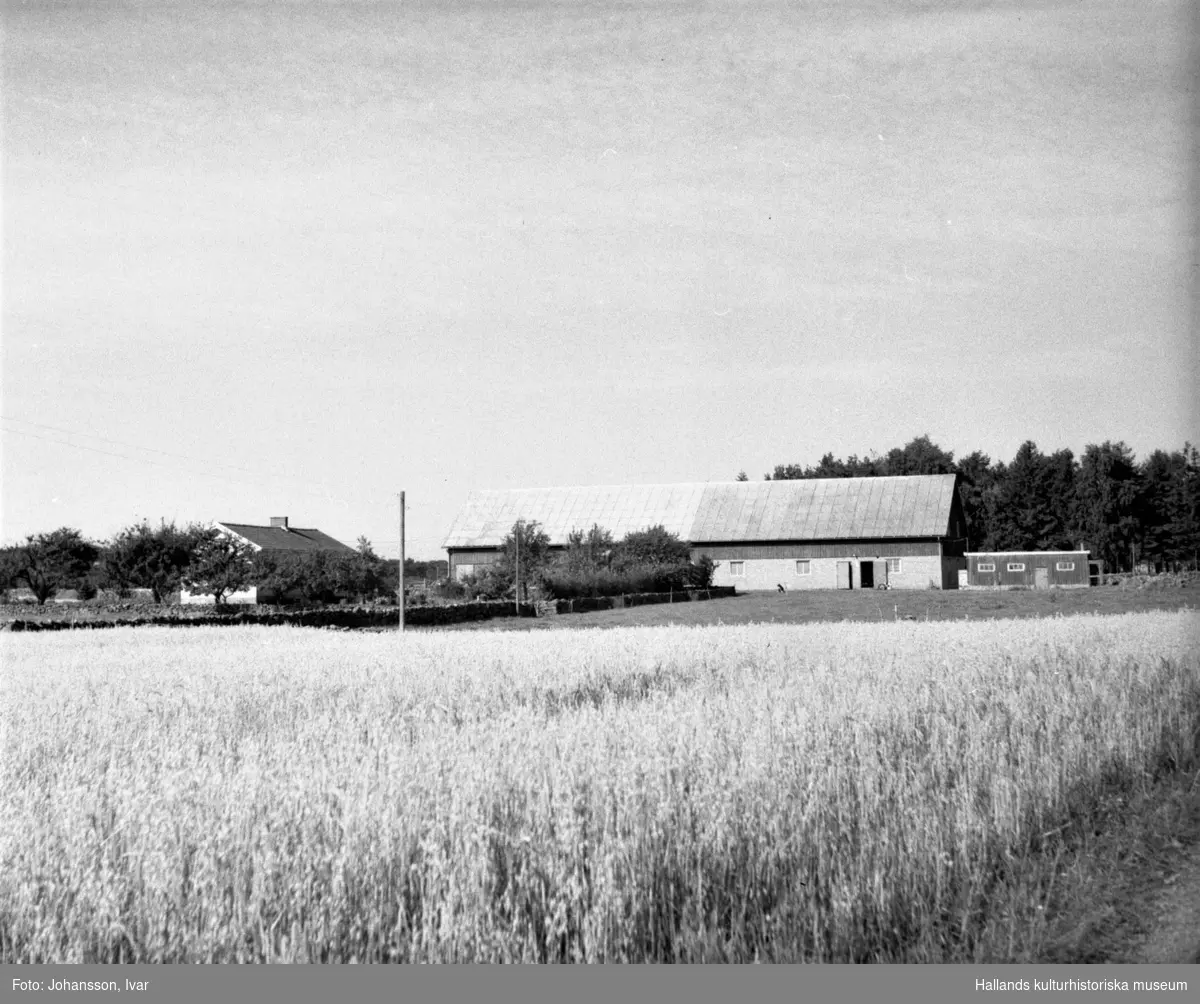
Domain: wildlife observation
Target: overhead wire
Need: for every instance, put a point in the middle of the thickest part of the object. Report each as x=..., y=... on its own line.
x=418, y=539
x=145, y=449
x=258, y=483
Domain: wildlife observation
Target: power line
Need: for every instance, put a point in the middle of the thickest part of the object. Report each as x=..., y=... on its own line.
x=149, y=449
x=155, y=463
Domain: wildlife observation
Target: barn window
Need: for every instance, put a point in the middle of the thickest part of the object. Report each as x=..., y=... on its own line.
x=737, y=568
x=986, y=566
x=1064, y=566
x=1016, y=566
x=894, y=566
x=802, y=567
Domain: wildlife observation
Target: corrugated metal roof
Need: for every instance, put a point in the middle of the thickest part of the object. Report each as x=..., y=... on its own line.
x=824, y=509
x=488, y=516
x=812, y=509
x=275, y=538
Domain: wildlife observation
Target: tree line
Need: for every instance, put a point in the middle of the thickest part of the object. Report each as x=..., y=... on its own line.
x=593, y=563
x=166, y=558
x=1125, y=511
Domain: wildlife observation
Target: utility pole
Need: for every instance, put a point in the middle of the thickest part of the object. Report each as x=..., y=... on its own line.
x=517, y=568
x=401, y=570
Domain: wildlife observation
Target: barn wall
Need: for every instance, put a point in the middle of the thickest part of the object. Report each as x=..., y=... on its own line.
x=1001, y=578
x=834, y=549
x=463, y=563
x=767, y=566
x=917, y=572
x=956, y=548
x=951, y=564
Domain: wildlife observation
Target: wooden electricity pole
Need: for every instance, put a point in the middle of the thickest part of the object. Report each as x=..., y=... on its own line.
x=517, y=568
x=401, y=593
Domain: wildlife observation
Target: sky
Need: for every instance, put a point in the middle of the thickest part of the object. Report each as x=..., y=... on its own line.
x=294, y=258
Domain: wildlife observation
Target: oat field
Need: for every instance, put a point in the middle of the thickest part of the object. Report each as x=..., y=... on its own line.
x=794, y=792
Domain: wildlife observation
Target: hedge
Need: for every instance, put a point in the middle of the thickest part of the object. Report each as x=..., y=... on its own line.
x=584, y=604
x=359, y=617
x=328, y=618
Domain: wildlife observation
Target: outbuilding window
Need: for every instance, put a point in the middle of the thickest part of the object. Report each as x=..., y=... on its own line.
x=803, y=567
x=1016, y=566
x=1064, y=566
x=986, y=566
x=894, y=566
x=737, y=569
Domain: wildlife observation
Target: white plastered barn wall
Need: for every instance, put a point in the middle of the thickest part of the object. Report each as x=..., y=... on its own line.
x=916, y=572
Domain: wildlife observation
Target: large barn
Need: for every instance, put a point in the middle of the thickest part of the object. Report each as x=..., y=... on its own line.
x=827, y=533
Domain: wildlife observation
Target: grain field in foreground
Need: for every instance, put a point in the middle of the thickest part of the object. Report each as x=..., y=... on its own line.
x=817, y=792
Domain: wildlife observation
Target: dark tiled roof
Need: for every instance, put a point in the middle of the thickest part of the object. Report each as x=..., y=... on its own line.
x=294, y=538
x=812, y=509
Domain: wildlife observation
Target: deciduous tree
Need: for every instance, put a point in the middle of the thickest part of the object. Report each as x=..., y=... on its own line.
x=655, y=545
x=48, y=562
x=221, y=565
x=919, y=456
x=149, y=557
x=588, y=550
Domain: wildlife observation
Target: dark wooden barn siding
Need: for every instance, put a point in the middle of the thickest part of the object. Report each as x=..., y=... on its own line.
x=952, y=548
x=834, y=549
x=1032, y=560
x=483, y=556
x=473, y=557
x=480, y=557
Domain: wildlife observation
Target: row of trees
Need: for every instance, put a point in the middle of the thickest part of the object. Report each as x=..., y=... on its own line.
x=164, y=558
x=592, y=564
x=1125, y=511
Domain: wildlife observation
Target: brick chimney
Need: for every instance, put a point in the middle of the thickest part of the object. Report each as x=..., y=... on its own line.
x=279, y=522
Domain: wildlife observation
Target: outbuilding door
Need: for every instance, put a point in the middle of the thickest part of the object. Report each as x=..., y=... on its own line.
x=880, y=574
x=1041, y=577
x=845, y=578
x=866, y=575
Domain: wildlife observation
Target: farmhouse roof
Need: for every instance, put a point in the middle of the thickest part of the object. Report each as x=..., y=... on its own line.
x=277, y=538
x=713, y=512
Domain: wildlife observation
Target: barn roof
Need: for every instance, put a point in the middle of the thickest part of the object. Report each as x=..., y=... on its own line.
x=276, y=538
x=1009, y=554
x=487, y=517
x=712, y=512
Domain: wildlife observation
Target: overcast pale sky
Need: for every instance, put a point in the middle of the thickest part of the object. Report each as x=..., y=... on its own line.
x=291, y=258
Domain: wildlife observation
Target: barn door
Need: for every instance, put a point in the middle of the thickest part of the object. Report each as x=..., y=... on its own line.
x=866, y=575
x=844, y=577
x=1041, y=577
x=880, y=574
